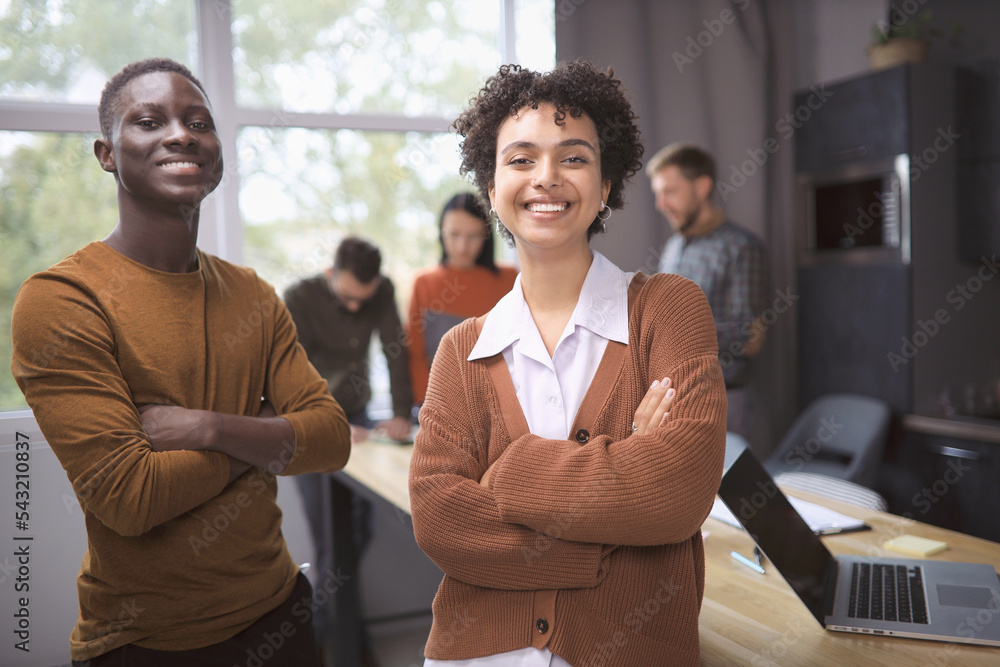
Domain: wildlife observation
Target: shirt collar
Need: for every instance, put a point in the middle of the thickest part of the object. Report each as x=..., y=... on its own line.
x=602, y=308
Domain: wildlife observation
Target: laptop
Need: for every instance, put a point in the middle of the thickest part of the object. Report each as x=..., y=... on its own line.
x=900, y=597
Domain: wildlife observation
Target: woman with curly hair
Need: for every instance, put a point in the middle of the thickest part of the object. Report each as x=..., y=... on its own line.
x=547, y=481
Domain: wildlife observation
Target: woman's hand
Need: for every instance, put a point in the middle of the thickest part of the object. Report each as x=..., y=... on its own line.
x=652, y=411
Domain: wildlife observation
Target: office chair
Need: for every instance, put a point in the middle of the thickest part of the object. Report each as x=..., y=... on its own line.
x=833, y=488
x=838, y=435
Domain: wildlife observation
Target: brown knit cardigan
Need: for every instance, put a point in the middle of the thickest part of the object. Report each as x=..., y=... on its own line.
x=589, y=546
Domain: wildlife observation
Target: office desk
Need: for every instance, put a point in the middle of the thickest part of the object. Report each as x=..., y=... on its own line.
x=749, y=618
x=755, y=619
x=381, y=469
x=377, y=472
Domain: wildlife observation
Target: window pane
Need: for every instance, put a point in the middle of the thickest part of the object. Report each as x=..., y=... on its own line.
x=536, y=34
x=66, y=51
x=54, y=199
x=408, y=57
x=302, y=191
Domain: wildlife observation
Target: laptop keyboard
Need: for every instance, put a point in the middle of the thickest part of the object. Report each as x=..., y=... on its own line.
x=887, y=593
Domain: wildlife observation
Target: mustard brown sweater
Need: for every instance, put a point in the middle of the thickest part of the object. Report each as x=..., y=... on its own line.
x=589, y=546
x=177, y=559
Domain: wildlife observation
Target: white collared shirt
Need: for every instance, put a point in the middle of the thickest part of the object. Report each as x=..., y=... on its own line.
x=551, y=389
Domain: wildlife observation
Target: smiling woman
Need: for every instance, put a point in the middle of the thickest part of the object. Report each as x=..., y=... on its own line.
x=584, y=391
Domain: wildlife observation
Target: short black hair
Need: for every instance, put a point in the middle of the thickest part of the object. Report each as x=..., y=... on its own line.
x=113, y=88
x=575, y=88
x=473, y=205
x=361, y=258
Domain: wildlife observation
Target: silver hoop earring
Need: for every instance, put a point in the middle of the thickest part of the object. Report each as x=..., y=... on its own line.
x=604, y=218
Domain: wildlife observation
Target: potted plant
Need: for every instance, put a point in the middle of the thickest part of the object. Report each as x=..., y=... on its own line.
x=905, y=39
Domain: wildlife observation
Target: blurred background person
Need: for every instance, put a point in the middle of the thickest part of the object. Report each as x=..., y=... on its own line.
x=728, y=261
x=466, y=283
x=336, y=313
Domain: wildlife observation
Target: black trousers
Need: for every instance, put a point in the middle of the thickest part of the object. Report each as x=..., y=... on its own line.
x=276, y=639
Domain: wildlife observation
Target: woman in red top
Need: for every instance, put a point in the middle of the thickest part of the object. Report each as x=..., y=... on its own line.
x=467, y=283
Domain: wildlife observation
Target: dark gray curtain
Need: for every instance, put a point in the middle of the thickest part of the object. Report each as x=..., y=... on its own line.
x=711, y=72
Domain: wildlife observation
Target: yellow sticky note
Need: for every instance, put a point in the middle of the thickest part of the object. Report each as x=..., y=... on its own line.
x=912, y=545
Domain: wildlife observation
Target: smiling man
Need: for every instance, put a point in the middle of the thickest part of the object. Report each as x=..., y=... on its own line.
x=170, y=432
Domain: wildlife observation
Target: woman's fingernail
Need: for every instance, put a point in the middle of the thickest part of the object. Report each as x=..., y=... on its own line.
x=666, y=381
x=654, y=385
x=670, y=393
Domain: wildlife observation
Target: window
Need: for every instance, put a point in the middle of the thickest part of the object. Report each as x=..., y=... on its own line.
x=65, y=51
x=333, y=116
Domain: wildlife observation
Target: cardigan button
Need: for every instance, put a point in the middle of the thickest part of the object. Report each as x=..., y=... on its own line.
x=582, y=436
x=542, y=625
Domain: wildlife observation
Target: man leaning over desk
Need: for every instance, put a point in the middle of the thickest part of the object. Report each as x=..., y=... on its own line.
x=336, y=314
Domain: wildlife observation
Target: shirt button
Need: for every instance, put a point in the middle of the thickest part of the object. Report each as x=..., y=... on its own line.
x=553, y=401
x=542, y=625
x=582, y=436
x=353, y=342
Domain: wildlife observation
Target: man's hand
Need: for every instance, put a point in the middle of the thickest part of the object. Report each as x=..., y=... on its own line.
x=170, y=427
x=755, y=340
x=397, y=428
x=358, y=434
x=265, y=441
x=652, y=410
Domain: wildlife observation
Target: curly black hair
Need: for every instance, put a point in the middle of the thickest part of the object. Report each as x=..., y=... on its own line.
x=575, y=88
x=113, y=88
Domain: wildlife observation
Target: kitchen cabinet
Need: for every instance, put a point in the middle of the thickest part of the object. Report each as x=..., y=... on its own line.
x=945, y=472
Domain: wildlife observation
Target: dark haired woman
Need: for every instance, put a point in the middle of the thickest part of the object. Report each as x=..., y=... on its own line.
x=547, y=482
x=467, y=283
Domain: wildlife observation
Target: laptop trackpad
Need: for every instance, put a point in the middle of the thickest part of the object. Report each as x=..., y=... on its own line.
x=976, y=597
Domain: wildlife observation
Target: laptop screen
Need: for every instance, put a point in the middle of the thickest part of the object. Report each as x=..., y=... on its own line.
x=764, y=511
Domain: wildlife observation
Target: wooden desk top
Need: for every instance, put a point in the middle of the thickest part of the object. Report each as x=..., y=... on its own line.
x=383, y=467
x=755, y=619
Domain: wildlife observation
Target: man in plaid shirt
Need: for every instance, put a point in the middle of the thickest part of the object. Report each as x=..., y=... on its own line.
x=727, y=261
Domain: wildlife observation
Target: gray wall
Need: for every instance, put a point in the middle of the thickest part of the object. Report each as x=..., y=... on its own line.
x=773, y=49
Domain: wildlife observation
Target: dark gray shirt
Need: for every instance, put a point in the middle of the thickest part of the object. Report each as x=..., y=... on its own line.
x=730, y=265
x=337, y=342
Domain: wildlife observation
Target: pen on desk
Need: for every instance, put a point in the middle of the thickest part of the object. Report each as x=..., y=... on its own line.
x=746, y=561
